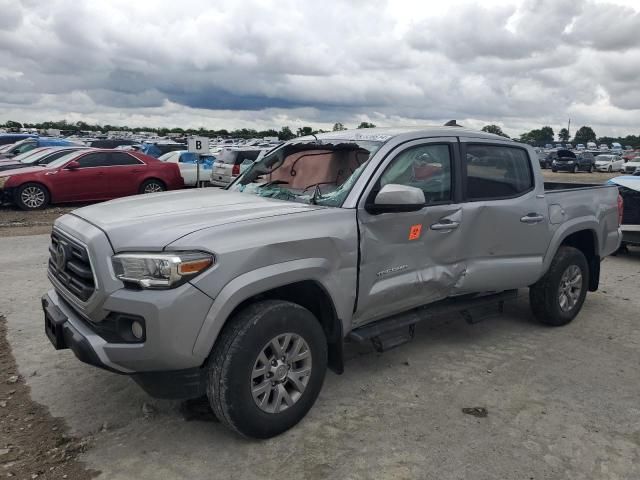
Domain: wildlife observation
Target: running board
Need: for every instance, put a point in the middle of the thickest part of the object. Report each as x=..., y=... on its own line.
x=394, y=331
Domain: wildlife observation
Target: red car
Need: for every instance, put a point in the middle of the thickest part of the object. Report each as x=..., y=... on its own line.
x=87, y=176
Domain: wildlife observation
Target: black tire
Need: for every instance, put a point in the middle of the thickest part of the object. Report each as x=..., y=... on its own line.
x=554, y=170
x=544, y=295
x=153, y=185
x=32, y=196
x=235, y=354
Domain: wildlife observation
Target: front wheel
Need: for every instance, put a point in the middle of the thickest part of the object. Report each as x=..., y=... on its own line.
x=558, y=296
x=32, y=196
x=267, y=368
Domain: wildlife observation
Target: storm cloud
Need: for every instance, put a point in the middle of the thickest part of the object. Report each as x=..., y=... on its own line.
x=263, y=64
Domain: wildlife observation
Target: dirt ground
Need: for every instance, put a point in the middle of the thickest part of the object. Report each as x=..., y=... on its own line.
x=14, y=222
x=34, y=444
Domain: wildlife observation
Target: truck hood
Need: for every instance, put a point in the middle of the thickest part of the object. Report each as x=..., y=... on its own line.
x=152, y=221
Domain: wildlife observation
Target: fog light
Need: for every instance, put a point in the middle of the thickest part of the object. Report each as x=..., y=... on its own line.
x=137, y=330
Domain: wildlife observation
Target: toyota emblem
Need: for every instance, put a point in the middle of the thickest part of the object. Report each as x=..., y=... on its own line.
x=60, y=257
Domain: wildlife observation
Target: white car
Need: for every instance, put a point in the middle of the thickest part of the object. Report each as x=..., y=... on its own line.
x=609, y=163
x=188, y=167
x=631, y=166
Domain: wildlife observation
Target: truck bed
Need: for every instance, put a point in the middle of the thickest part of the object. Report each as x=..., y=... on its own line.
x=552, y=187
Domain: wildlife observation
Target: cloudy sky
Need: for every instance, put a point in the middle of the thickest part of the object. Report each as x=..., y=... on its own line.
x=267, y=63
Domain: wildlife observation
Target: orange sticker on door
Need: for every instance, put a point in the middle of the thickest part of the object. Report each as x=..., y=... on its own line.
x=415, y=231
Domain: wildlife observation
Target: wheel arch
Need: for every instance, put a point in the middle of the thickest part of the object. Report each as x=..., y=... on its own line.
x=586, y=240
x=311, y=295
x=298, y=281
x=16, y=190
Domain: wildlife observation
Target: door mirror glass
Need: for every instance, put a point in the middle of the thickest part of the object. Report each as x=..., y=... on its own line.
x=399, y=198
x=73, y=165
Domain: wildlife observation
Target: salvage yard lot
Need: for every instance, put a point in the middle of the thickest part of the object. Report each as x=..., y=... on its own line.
x=561, y=402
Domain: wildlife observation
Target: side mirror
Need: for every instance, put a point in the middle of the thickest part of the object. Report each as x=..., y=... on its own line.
x=72, y=165
x=397, y=198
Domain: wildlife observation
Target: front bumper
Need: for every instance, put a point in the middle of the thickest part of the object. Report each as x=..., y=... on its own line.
x=6, y=195
x=67, y=330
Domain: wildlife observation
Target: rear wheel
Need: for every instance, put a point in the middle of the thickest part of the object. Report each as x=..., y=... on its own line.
x=267, y=368
x=152, y=186
x=32, y=196
x=558, y=296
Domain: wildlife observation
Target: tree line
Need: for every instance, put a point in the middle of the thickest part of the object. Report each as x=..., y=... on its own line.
x=537, y=137
x=285, y=132
x=540, y=137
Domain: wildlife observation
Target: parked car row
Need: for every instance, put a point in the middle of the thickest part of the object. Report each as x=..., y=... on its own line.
x=87, y=175
x=565, y=160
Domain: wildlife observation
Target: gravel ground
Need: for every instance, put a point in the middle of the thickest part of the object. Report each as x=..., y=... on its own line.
x=560, y=403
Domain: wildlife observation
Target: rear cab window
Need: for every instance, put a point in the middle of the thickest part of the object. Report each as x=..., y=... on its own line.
x=118, y=158
x=493, y=172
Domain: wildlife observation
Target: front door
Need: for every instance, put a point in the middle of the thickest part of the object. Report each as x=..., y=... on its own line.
x=411, y=258
x=506, y=228
x=86, y=183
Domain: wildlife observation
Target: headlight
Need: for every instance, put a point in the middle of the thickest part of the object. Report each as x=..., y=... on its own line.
x=160, y=270
x=3, y=180
x=570, y=162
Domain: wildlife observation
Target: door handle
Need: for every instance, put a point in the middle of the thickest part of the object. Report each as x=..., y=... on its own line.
x=445, y=225
x=137, y=170
x=532, y=218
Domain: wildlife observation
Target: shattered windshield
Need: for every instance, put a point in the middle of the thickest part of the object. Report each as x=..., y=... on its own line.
x=318, y=173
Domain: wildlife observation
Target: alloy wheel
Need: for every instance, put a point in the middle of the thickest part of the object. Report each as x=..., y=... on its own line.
x=153, y=187
x=570, y=288
x=281, y=373
x=33, y=197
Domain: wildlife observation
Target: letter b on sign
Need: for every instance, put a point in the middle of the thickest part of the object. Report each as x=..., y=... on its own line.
x=198, y=145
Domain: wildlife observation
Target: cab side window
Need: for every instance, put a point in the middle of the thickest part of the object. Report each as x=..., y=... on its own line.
x=427, y=167
x=495, y=172
x=94, y=160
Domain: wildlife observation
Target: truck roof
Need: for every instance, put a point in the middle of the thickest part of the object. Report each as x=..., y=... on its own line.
x=383, y=134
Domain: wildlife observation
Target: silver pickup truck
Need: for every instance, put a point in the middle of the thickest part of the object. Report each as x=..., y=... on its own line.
x=248, y=294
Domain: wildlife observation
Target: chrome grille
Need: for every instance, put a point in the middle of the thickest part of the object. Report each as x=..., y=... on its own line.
x=69, y=264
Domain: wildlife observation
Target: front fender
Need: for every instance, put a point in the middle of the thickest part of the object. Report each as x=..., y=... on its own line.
x=258, y=281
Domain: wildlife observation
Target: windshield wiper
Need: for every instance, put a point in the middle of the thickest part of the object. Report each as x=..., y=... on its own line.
x=273, y=182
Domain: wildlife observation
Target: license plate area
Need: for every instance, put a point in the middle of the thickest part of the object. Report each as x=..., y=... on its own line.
x=54, y=320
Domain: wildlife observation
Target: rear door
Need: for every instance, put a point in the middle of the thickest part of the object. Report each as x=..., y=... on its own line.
x=506, y=225
x=88, y=182
x=411, y=258
x=125, y=174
